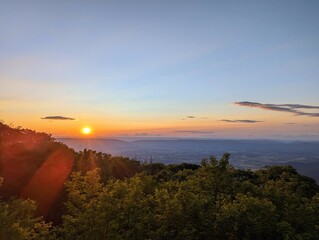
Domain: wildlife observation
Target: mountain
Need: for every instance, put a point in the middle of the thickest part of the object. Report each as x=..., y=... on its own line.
x=94, y=195
x=252, y=154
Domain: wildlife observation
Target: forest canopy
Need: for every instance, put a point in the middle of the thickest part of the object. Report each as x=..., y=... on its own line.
x=99, y=196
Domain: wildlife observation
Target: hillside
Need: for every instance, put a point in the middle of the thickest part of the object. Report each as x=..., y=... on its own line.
x=34, y=165
x=104, y=197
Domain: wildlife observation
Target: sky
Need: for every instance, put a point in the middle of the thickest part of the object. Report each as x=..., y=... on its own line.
x=158, y=69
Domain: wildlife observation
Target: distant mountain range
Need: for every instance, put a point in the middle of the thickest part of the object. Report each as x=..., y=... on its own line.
x=253, y=154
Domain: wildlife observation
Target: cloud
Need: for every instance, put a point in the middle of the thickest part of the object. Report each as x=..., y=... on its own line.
x=290, y=123
x=194, y=132
x=58, y=118
x=146, y=134
x=309, y=114
x=192, y=117
x=290, y=108
x=240, y=121
x=300, y=106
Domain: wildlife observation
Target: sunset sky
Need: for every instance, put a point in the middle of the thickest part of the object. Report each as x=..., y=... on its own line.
x=157, y=69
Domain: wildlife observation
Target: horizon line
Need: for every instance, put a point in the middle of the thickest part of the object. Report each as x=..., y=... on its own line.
x=132, y=139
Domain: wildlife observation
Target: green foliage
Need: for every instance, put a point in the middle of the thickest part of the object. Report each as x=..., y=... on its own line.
x=83, y=192
x=23, y=154
x=111, y=167
x=245, y=217
x=117, y=210
x=215, y=201
x=18, y=221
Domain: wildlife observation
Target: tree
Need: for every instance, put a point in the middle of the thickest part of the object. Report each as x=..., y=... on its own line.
x=18, y=221
x=84, y=191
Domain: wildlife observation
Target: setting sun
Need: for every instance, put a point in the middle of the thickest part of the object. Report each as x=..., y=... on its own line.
x=86, y=130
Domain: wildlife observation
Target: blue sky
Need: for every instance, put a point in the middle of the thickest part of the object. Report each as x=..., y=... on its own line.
x=130, y=67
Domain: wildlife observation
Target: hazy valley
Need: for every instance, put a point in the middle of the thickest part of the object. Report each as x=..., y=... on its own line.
x=248, y=154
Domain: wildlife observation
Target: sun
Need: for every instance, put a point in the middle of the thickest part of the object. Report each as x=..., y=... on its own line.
x=86, y=130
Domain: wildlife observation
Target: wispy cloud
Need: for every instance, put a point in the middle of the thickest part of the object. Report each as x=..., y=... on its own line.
x=240, y=121
x=58, y=118
x=309, y=114
x=192, y=117
x=188, y=117
x=290, y=123
x=146, y=134
x=194, y=132
x=290, y=108
x=299, y=106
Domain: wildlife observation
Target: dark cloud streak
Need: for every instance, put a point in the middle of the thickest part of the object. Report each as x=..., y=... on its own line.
x=193, y=117
x=290, y=108
x=58, y=118
x=240, y=121
x=194, y=132
x=299, y=106
x=147, y=134
x=308, y=114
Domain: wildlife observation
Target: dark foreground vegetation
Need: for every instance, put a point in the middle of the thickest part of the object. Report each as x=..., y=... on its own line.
x=92, y=195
